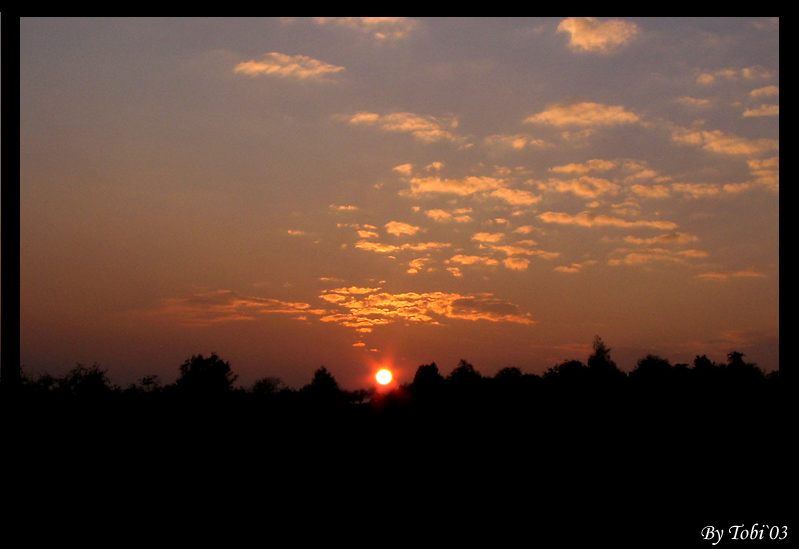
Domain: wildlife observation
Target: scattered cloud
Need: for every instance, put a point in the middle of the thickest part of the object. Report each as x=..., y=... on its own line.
x=516, y=142
x=298, y=67
x=471, y=260
x=416, y=265
x=343, y=207
x=443, y=216
x=404, y=169
x=695, y=102
x=584, y=114
x=359, y=344
x=656, y=255
x=697, y=190
x=365, y=312
x=723, y=276
x=461, y=187
x=382, y=248
x=723, y=143
x=456, y=272
x=766, y=172
x=367, y=234
x=524, y=229
x=731, y=74
x=592, y=35
x=516, y=263
x=651, y=191
x=585, y=219
x=427, y=129
x=382, y=29
x=398, y=228
x=221, y=306
x=296, y=232
x=766, y=91
x=584, y=187
x=593, y=165
x=516, y=197
x=574, y=268
x=676, y=238
x=488, y=237
x=434, y=166
x=762, y=110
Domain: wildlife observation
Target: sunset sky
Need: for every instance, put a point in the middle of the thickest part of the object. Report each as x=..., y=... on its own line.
x=368, y=192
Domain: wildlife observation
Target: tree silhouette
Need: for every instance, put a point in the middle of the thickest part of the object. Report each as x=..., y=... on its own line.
x=87, y=383
x=602, y=368
x=464, y=375
x=205, y=376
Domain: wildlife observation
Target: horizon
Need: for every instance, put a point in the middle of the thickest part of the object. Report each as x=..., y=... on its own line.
x=358, y=193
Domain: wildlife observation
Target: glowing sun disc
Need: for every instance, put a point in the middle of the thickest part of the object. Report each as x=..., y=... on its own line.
x=384, y=376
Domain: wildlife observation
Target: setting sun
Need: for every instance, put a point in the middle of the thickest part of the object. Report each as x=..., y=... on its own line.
x=384, y=377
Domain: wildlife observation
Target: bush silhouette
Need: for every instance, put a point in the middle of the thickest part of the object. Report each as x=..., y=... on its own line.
x=205, y=376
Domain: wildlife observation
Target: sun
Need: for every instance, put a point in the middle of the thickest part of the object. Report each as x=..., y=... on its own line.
x=384, y=376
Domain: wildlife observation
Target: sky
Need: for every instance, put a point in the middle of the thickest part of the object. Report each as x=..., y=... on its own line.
x=368, y=192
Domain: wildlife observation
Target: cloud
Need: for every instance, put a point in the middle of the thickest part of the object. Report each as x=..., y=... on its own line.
x=417, y=265
x=221, y=306
x=766, y=91
x=718, y=276
x=574, y=268
x=651, y=191
x=731, y=74
x=766, y=172
x=585, y=219
x=762, y=110
x=723, y=143
x=697, y=190
x=367, y=234
x=434, y=166
x=471, y=260
x=584, y=187
x=676, y=238
x=359, y=344
x=516, y=142
x=382, y=248
x=461, y=187
x=656, y=255
x=584, y=114
x=591, y=35
x=456, y=272
x=488, y=237
x=343, y=207
x=593, y=165
x=515, y=197
x=694, y=102
x=439, y=216
x=382, y=29
x=427, y=129
x=398, y=228
x=296, y=232
x=367, y=311
x=524, y=229
x=516, y=263
x=298, y=67
x=511, y=251
x=404, y=169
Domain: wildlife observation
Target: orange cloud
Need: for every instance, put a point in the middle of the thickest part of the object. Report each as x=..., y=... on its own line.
x=461, y=187
x=343, y=207
x=766, y=91
x=398, y=228
x=515, y=197
x=593, y=165
x=592, y=35
x=428, y=129
x=584, y=114
x=367, y=234
x=694, y=102
x=670, y=238
x=585, y=219
x=471, y=260
x=574, y=268
x=657, y=255
x=584, y=187
x=517, y=141
x=488, y=237
x=746, y=73
x=516, y=263
x=762, y=110
x=296, y=232
x=720, y=142
x=298, y=67
x=382, y=29
x=524, y=229
x=404, y=169
x=651, y=191
x=724, y=276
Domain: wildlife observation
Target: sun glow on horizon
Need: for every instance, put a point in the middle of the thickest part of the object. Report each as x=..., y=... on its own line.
x=384, y=376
